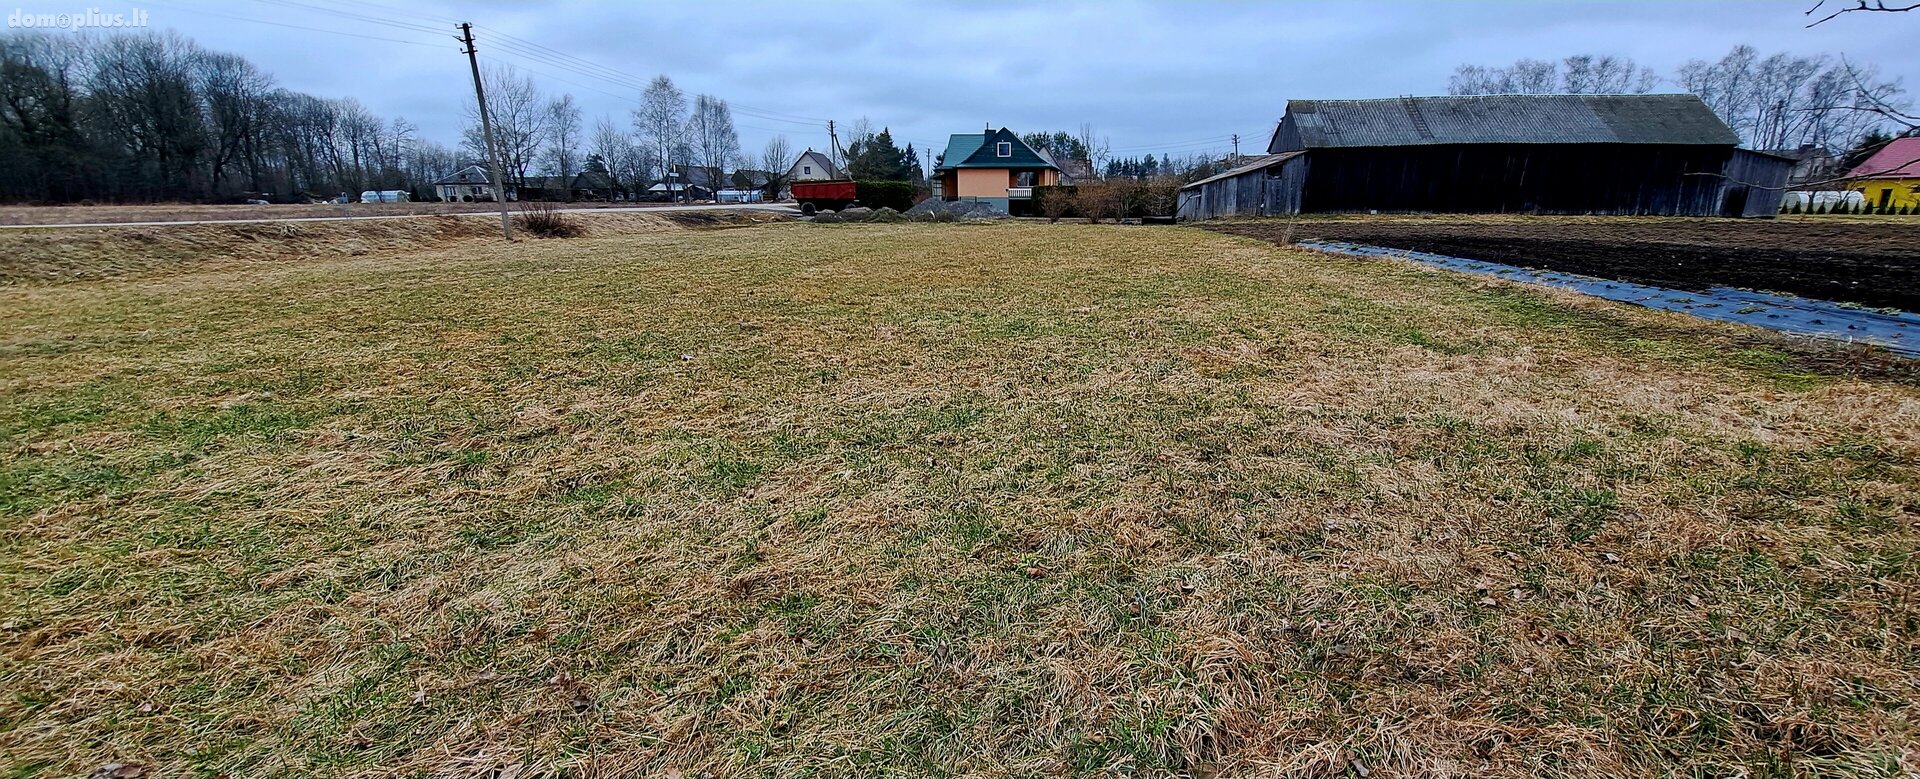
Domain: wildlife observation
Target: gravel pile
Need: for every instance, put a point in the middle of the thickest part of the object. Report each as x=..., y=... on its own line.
x=961, y=210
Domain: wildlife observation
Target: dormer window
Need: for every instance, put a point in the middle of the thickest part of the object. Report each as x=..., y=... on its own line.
x=1003, y=149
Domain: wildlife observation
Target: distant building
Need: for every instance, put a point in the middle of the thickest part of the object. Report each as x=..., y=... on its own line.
x=593, y=185
x=1073, y=171
x=1541, y=154
x=545, y=187
x=674, y=190
x=812, y=166
x=1811, y=164
x=748, y=178
x=1891, y=177
x=994, y=167
x=471, y=183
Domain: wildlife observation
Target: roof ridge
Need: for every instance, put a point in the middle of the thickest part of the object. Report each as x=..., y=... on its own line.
x=1489, y=94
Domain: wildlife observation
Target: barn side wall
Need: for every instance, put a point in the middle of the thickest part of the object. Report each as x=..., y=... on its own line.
x=1755, y=184
x=1522, y=178
x=1285, y=183
x=1265, y=192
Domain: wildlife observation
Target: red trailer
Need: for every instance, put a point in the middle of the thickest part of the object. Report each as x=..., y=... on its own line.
x=815, y=196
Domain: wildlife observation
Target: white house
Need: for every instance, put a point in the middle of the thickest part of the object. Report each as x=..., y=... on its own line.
x=468, y=184
x=812, y=166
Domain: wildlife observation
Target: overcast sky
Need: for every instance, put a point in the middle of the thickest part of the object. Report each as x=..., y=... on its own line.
x=1173, y=77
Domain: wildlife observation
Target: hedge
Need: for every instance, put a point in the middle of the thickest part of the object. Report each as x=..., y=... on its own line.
x=897, y=195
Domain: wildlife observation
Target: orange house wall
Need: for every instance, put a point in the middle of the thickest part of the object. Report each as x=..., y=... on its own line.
x=993, y=182
x=982, y=182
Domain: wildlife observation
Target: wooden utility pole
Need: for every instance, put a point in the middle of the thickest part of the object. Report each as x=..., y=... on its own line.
x=839, y=160
x=486, y=133
x=1236, y=149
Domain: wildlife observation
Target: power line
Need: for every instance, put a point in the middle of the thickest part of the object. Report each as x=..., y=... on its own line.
x=527, y=51
x=508, y=48
x=292, y=26
x=1218, y=139
x=613, y=74
x=408, y=26
x=450, y=22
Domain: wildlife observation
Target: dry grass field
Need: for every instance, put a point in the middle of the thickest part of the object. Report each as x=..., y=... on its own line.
x=936, y=500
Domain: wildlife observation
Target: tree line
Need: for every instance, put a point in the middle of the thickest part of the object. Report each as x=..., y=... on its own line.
x=153, y=116
x=1089, y=146
x=1773, y=101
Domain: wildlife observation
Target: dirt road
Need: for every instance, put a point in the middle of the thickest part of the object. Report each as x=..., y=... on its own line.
x=37, y=217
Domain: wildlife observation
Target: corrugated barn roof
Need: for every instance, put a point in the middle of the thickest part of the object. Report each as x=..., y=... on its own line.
x=1251, y=164
x=1425, y=121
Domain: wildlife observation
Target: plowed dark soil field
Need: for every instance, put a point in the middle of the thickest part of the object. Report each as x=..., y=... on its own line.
x=1871, y=263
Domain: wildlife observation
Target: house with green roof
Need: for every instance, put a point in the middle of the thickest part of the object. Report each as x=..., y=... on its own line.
x=994, y=167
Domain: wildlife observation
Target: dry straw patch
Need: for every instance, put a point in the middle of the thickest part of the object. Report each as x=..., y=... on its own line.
x=978, y=500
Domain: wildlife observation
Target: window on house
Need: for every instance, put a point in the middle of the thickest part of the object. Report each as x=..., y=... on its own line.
x=1023, y=178
x=806, y=170
x=1003, y=149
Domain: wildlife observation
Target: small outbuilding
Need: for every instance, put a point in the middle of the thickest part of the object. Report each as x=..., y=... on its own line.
x=1544, y=154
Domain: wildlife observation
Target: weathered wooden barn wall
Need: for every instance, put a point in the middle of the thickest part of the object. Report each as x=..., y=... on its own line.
x=1755, y=184
x=1257, y=191
x=1628, y=179
x=1285, y=185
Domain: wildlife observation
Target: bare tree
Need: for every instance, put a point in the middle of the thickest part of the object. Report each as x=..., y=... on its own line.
x=661, y=122
x=143, y=87
x=521, y=121
x=1586, y=74
x=627, y=163
x=710, y=131
x=1096, y=146
x=232, y=89
x=1879, y=6
x=1870, y=95
x=1581, y=74
x=1783, y=101
x=563, y=136
x=776, y=159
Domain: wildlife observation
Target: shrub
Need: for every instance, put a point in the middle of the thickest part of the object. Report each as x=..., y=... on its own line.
x=884, y=214
x=543, y=219
x=1097, y=200
x=1152, y=197
x=1054, y=203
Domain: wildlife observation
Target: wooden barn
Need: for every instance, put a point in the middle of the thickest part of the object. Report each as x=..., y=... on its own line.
x=1544, y=154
